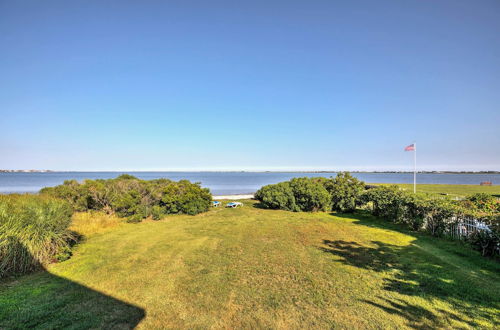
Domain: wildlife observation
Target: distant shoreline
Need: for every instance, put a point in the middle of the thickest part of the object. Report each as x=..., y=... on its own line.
x=237, y=196
x=332, y=171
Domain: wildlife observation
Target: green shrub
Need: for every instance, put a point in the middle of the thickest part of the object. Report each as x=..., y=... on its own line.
x=487, y=241
x=72, y=192
x=483, y=203
x=310, y=195
x=277, y=196
x=417, y=211
x=33, y=232
x=486, y=209
x=346, y=191
x=298, y=194
x=438, y=215
x=409, y=210
x=157, y=212
x=134, y=199
x=383, y=201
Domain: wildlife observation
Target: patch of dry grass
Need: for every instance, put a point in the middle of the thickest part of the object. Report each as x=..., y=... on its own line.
x=90, y=223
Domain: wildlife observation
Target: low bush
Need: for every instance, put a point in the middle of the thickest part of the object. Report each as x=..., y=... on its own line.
x=310, y=195
x=417, y=211
x=486, y=209
x=298, y=194
x=483, y=203
x=130, y=197
x=33, y=232
x=487, y=241
x=342, y=193
x=345, y=191
x=277, y=196
x=72, y=192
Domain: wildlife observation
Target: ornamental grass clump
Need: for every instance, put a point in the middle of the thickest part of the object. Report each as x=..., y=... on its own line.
x=33, y=232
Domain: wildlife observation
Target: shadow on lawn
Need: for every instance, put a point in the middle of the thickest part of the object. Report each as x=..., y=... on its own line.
x=44, y=300
x=413, y=272
x=259, y=205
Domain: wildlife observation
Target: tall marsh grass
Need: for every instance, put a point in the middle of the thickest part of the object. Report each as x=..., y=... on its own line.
x=33, y=231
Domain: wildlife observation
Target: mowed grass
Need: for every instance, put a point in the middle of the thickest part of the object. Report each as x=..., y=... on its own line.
x=255, y=268
x=459, y=190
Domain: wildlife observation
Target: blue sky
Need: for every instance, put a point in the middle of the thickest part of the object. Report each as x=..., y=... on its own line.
x=254, y=85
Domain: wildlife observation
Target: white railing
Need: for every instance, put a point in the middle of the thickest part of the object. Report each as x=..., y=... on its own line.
x=463, y=228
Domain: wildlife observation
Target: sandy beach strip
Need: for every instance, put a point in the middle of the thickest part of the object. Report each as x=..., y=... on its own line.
x=248, y=196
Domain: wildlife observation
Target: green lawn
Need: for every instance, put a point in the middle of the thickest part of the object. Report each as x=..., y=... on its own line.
x=453, y=189
x=255, y=268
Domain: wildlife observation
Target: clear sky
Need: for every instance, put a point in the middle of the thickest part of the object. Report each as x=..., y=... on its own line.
x=242, y=85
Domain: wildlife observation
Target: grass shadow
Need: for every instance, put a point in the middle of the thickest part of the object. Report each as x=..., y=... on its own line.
x=44, y=300
x=259, y=205
x=422, y=270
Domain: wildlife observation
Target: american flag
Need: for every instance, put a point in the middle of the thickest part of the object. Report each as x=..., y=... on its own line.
x=411, y=147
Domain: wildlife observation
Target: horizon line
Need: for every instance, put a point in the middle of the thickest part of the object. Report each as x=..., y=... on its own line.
x=251, y=171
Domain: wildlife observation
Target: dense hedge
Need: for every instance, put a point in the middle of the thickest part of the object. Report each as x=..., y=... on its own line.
x=33, y=232
x=418, y=211
x=136, y=199
x=298, y=194
x=439, y=216
x=482, y=203
x=313, y=194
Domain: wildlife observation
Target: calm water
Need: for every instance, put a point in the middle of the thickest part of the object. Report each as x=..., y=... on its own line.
x=222, y=183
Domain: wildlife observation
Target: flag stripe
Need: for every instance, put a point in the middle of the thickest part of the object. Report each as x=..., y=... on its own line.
x=411, y=147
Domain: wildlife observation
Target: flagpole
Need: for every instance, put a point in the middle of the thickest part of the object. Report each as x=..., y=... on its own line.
x=415, y=168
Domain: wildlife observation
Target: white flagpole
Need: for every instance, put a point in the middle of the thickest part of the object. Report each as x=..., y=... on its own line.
x=415, y=167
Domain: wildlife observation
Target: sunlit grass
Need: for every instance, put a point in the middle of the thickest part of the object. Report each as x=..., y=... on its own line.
x=453, y=189
x=255, y=268
x=90, y=223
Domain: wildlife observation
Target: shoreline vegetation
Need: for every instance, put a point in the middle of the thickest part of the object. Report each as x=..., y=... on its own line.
x=135, y=200
x=453, y=190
